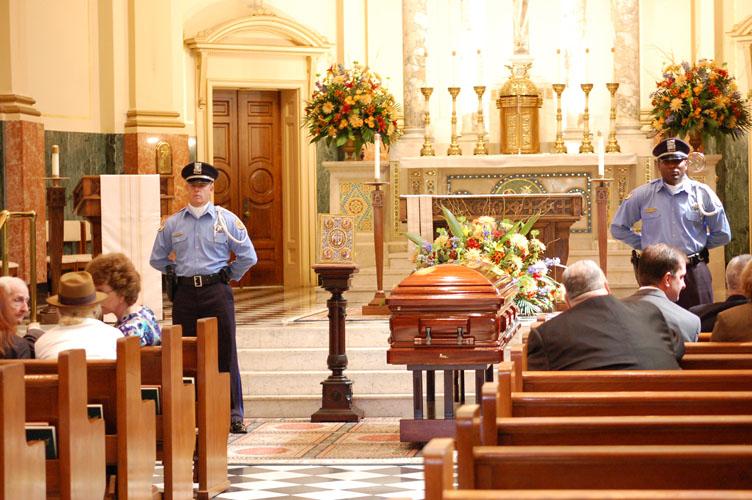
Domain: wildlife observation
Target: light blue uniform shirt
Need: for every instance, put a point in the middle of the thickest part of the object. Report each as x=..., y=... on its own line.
x=201, y=245
x=674, y=219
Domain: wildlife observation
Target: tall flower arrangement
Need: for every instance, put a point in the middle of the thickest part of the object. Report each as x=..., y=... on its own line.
x=496, y=248
x=699, y=98
x=351, y=104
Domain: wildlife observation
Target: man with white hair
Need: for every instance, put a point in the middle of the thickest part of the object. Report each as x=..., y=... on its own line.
x=734, y=293
x=17, y=303
x=600, y=332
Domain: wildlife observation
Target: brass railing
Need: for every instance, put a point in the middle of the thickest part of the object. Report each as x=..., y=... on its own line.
x=6, y=215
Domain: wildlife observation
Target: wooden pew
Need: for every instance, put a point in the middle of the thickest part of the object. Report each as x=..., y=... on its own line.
x=718, y=347
x=22, y=467
x=212, y=407
x=60, y=400
x=716, y=362
x=704, y=336
x=130, y=422
x=608, y=430
x=625, y=380
x=494, y=468
x=176, y=426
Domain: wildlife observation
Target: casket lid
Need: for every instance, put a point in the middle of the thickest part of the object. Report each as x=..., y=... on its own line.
x=446, y=282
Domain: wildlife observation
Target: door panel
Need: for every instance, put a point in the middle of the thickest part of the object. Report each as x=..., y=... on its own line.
x=248, y=154
x=261, y=180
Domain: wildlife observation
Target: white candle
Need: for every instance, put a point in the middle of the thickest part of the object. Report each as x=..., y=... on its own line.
x=613, y=66
x=558, y=66
x=55, y=161
x=455, y=71
x=601, y=157
x=377, y=157
x=479, y=76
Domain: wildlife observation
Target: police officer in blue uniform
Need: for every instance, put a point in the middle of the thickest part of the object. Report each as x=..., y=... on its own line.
x=202, y=235
x=680, y=212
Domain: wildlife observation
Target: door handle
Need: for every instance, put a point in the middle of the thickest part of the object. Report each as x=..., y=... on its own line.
x=246, y=208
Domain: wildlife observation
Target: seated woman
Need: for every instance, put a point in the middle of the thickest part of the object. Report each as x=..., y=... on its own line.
x=115, y=275
x=732, y=325
x=14, y=304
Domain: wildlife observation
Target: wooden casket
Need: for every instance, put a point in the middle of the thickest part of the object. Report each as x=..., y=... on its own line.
x=449, y=315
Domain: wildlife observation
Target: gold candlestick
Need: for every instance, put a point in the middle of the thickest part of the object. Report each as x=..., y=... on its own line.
x=427, y=149
x=586, y=146
x=612, y=146
x=480, y=144
x=559, y=146
x=454, y=147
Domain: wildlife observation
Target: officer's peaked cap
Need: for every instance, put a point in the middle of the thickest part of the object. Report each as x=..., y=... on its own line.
x=671, y=149
x=199, y=171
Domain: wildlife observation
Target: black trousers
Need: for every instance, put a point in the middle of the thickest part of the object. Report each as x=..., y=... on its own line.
x=191, y=304
x=699, y=288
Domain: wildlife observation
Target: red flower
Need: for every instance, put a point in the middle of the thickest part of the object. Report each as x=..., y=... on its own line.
x=453, y=254
x=472, y=243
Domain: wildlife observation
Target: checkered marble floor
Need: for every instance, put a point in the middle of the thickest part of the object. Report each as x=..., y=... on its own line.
x=320, y=482
x=331, y=482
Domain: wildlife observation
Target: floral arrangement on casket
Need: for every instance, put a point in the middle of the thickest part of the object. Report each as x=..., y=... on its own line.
x=496, y=248
x=699, y=100
x=351, y=104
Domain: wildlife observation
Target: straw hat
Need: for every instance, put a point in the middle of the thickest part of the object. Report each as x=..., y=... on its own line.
x=76, y=290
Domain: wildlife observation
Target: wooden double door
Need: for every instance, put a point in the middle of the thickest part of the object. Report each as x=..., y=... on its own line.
x=248, y=155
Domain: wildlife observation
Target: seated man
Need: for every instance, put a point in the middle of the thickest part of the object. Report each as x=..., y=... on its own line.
x=14, y=303
x=660, y=273
x=78, y=328
x=734, y=294
x=600, y=332
x=732, y=324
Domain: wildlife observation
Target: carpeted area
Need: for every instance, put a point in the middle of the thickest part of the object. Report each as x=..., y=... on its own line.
x=372, y=440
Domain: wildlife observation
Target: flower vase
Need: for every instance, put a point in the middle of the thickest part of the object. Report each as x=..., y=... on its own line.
x=695, y=140
x=349, y=151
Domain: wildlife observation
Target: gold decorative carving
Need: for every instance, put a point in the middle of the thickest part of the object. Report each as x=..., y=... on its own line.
x=518, y=103
x=416, y=181
x=163, y=153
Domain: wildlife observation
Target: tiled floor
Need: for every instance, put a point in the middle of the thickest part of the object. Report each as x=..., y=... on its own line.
x=325, y=482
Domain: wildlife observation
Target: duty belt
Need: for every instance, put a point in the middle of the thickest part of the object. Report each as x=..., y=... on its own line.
x=701, y=256
x=199, y=280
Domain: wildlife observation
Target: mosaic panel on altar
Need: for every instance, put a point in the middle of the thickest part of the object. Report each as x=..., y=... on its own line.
x=355, y=201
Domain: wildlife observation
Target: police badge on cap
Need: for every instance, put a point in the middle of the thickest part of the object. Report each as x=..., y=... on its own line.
x=199, y=172
x=671, y=149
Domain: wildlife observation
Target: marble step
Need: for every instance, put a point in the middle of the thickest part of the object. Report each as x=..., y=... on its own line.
x=303, y=406
x=272, y=359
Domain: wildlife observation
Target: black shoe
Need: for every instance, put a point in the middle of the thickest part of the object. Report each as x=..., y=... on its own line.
x=237, y=427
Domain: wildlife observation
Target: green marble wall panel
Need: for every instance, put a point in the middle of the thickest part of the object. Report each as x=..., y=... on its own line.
x=83, y=154
x=733, y=179
x=323, y=153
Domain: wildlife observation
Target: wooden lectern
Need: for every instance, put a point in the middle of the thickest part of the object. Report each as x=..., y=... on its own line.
x=87, y=202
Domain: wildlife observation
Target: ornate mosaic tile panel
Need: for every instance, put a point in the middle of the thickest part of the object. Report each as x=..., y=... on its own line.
x=355, y=200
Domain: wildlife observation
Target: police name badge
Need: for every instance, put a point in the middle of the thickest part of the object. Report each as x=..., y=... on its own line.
x=336, y=239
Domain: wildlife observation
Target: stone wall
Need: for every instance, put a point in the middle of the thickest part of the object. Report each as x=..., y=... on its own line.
x=83, y=154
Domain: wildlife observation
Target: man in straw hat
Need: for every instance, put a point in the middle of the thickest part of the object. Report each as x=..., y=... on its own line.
x=78, y=303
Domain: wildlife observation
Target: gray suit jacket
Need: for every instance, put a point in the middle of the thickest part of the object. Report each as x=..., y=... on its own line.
x=733, y=325
x=678, y=319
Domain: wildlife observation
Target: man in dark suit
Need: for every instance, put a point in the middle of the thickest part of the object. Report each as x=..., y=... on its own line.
x=734, y=293
x=600, y=332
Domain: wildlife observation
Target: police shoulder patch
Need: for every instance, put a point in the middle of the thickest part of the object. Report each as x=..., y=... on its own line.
x=239, y=225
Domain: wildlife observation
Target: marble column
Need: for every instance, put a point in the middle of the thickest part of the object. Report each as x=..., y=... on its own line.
x=154, y=108
x=22, y=162
x=414, y=28
x=626, y=19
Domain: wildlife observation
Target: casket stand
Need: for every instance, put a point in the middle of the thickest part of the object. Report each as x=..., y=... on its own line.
x=447, y=318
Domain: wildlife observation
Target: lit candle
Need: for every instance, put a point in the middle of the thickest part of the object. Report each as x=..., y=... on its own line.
x=480, y=68
x=601, y=157
x=613, y=65
x=377, y=157
x=55, y=161
x=455, y=72
x=558, y=66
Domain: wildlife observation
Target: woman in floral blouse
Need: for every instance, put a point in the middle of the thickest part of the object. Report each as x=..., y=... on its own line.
x=115, y=275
